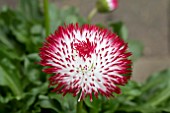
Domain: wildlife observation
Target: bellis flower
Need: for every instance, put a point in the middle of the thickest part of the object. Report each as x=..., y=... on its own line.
x=106, y=5
x=85, y=60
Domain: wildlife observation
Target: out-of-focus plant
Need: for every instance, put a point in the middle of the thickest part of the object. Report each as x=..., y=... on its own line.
x=24, y=88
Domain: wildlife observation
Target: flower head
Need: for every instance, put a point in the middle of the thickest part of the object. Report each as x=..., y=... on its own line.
x=106, y=5
x=86, y=60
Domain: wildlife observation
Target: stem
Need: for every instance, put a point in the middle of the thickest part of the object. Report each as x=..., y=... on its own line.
x=91, y=14
x=47, y=19
x=79, y=107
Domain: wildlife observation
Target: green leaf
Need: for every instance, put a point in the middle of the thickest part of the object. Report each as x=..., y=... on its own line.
x=165, y=106
x=68, y=102
x=40, y=89
x=5, y=41
x=110, y=106
x=30, y=9
x=138, y=109
x=7, y=16
x=5, y=95
x=95, y=105
x=36, y=29
x=30, y=70
x=48, y=103
x=63, y=16
x=120, y=29
x=136, y=48
x=25, y=103
x=160, y=97
x=11, y=81
x=130, y=91
x=21, y=35
x=157, y=79
x=8, y=53
x=157, y=88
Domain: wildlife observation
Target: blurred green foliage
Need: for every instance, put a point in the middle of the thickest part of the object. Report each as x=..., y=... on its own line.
x=24, y=88
x=135, y=46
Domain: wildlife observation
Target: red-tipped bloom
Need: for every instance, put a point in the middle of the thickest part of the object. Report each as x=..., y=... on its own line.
x=86, y=60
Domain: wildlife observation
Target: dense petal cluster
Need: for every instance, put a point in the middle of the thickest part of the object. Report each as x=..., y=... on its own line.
x=86, y=60
x=106, y=5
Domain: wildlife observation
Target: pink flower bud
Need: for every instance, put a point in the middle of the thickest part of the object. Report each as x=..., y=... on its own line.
x=106, y=5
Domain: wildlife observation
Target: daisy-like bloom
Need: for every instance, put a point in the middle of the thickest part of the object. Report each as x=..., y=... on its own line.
x=86, y=60
x=106, y=5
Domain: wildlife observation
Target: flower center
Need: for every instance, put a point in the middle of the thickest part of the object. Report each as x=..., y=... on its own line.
x=84, y=48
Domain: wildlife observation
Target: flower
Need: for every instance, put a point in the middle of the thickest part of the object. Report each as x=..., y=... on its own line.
x=106, y=5
x=86, y=60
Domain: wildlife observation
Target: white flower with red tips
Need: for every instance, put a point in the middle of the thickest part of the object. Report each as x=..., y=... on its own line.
x=86, y=60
